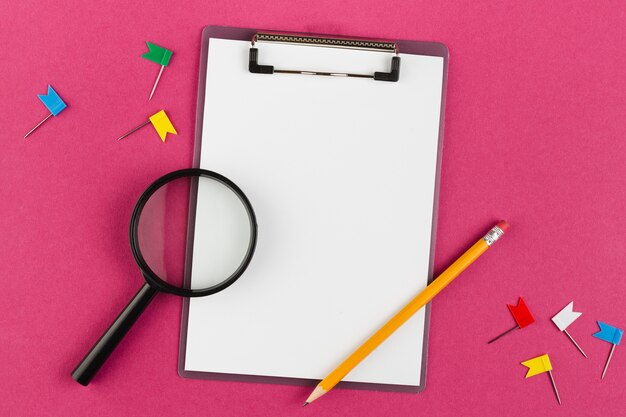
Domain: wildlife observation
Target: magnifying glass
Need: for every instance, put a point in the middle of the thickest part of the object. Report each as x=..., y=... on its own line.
x=192, y=207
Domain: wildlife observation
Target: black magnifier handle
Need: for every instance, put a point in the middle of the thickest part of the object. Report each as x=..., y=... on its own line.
x=99, y=353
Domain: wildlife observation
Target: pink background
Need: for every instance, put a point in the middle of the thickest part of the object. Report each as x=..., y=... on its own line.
x=535, y=133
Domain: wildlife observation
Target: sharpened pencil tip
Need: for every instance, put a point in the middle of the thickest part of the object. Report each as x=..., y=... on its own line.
x=305, y=404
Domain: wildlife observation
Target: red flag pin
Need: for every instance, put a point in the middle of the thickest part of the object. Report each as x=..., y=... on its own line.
x=521, y=315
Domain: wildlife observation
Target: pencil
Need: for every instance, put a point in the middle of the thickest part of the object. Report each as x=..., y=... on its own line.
x=411, y=308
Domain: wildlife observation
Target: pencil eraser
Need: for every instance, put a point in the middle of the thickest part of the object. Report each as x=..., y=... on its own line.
x=503, y=225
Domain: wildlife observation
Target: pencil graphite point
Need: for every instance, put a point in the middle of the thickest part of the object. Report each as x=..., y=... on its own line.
x=305, y=404
x=317, y=392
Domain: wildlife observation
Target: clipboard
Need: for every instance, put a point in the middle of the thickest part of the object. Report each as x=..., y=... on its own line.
x=258, y=63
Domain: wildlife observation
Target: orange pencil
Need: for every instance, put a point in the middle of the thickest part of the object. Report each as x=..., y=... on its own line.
x=411, y=308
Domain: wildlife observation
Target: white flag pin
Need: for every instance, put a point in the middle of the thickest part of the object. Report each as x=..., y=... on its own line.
x=564, y=318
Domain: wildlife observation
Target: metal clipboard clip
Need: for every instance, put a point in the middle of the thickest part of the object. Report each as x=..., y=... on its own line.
x=307, y=40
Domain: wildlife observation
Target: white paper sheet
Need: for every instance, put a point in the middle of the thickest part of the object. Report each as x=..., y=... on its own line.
x=341, y=174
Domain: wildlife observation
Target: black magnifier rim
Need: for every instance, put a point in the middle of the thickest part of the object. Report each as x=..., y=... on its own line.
x=149, y=275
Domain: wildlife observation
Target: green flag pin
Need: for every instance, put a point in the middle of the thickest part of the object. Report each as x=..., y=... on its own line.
x=159, y=55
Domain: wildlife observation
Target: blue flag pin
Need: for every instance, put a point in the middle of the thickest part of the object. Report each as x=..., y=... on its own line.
x=53, y=103
x=609, y=334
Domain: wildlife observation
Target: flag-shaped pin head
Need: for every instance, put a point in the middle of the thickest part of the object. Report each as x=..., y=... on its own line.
x=565, y=317
x=158, y=54
x=162, y=124
x=521, y=314
x=52, y=101
x=537, y=365
x=609, y=333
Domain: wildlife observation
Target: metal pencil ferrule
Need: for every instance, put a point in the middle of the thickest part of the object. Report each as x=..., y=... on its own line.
x=493, y=235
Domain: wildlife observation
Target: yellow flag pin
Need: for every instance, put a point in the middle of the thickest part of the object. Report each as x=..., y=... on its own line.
x=161, y=123
x=539, y=365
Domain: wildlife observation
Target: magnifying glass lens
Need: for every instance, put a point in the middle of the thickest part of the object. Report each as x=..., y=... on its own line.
x=205, y=215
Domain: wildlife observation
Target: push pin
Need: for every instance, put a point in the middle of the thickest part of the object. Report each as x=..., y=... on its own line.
x=609, y=334
x=53, y=103
x=564, y=318
x=521, y=315
x=539, y=365
x=159, y=55
x=161, y=124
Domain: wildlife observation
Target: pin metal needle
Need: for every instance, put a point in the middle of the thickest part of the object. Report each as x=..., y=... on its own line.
x=133, y=130
x=38, y=124
x=575, y=344
x=502, y=335
x=156, y=82
x=608, y=360
x=558, y=398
